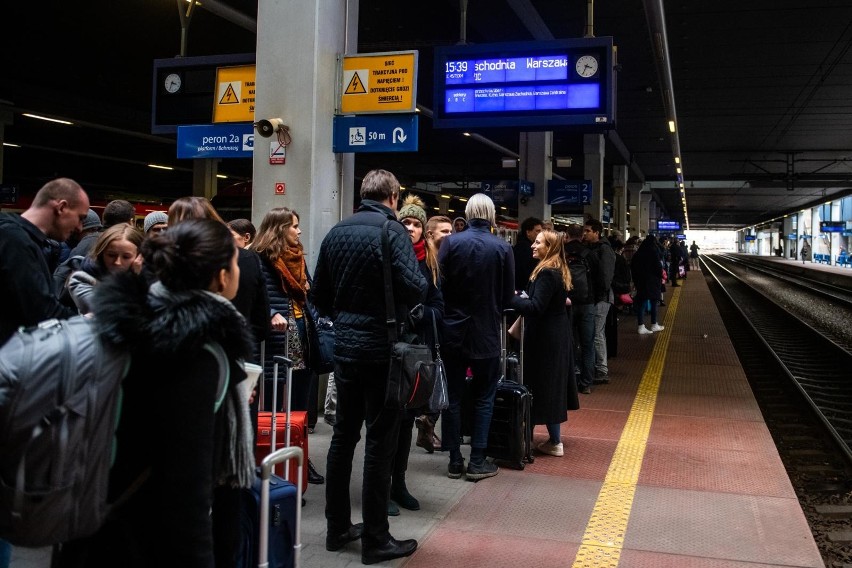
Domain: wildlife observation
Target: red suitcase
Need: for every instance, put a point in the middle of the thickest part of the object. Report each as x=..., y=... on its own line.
x=284, y=429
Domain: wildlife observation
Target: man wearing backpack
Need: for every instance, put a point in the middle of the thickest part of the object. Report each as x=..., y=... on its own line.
x=602, y=263
x=582, y=305
x=26, y=284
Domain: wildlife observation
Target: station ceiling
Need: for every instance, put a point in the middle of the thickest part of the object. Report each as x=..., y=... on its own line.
x=762, y=91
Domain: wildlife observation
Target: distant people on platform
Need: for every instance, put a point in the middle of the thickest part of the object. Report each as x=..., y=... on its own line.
x=91, y=228
x=630, y=247
x=779, y=251
x=806, y=251
x=244, y=230
x=602, y=264
x=349, y=285
x=26, y=285
x=674, y=261
x=116, y=250
x=459, y=224
x=116, y=211
x=479, y=282
x=413, y=217
x=621, y=280
x=522, y=251
x=684, y=258
x=548, y=342
x=86, y=237
x=155, y=222
x=645, y=269
x=693, y=255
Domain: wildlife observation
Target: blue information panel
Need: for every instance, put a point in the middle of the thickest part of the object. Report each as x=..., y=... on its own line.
x=375, y=133
x=539, y=84
x=501, y=192
x=664, y=225
x=226, y=140
x=569, y=192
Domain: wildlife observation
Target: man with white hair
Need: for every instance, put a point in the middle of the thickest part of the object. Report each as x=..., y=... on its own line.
x=479, y=280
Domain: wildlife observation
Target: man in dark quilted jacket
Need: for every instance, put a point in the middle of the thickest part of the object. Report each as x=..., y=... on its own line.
x=348, y=286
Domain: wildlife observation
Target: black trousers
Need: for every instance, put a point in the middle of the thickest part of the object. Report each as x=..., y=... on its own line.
x=360, y=398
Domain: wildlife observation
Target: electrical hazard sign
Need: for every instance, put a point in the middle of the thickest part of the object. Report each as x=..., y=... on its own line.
x=356, y=85
x=379, y=83
x=235, y=87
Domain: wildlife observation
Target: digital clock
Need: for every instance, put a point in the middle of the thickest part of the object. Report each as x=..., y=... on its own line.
x=567, y=82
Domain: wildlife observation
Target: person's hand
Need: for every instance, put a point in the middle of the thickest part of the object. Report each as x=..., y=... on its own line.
x=567, y=301
x=253, y=394
x=136, y=267
x=279, y=322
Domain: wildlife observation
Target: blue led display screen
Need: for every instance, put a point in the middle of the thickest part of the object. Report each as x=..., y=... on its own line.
x=668, y=225
x=539, y=84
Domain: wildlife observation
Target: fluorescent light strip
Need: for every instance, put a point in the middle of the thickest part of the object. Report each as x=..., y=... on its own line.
x=10, y=145
x=160, y=167
x=39, y=117
x=671, y=126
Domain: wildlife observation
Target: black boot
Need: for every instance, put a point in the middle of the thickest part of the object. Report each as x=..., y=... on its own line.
x=399, y=493
x=314, y=476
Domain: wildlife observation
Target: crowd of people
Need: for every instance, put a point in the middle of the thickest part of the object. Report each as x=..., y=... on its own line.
x=188, y=278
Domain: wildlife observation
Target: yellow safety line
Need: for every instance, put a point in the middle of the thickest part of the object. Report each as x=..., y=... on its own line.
x=604, y=536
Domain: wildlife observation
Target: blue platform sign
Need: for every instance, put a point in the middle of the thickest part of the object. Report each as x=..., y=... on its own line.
x=501, y=192
x=225, y=140
x=569, y=192
x=375, y=133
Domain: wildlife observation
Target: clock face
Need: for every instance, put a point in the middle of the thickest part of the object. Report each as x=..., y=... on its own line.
x=586, y=66
x=172, y=83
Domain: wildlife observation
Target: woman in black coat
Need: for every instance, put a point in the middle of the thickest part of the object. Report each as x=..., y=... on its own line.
x=645, y=269
x=548, y=341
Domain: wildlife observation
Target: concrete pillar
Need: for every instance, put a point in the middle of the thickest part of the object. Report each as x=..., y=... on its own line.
x=619, y=198
x=633, y=190
x=535, y=166
x=594, y=151
x=204, y=172
x=644, y=223
x=298, y=44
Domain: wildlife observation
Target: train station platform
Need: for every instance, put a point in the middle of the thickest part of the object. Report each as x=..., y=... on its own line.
x=669, y=465
x=828, y=273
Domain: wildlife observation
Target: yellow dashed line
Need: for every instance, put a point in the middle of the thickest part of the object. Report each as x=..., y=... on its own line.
x=604, y=536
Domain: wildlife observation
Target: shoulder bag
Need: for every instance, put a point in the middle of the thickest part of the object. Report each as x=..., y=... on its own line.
x=411, y=374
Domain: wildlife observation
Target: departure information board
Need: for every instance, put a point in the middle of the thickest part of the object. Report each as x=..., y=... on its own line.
x=538, y=84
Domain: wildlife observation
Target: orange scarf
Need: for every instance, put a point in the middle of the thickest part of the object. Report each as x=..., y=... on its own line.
x=294, y=276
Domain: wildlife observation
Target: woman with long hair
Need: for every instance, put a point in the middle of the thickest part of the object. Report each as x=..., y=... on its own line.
x=548, y=341
x=287, y=284
x=184, y=428
x=116, y=250
x=413, y=217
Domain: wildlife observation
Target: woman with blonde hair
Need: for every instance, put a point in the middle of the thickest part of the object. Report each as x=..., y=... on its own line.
x=548, y=342
x=287, y=283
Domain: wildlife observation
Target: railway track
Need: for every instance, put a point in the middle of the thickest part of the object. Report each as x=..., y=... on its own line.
x=803, y=384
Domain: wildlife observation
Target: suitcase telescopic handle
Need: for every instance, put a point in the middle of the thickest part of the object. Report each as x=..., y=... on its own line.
x=266, y=467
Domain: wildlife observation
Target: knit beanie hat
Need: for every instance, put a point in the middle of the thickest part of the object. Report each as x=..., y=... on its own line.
x=153, y=218
x=412, y=206
x=92, y=221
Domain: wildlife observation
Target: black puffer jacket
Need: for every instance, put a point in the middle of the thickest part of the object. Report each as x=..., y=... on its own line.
x=349, y=281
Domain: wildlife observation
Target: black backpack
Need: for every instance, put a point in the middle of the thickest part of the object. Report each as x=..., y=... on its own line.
x=581, y=278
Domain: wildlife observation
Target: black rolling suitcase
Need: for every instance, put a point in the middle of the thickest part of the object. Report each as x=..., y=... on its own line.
x=271, y=510
x=510, y=435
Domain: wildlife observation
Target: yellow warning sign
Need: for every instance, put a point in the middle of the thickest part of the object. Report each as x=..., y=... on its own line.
x=356, y=87
x=379, y=83
x=235, y=88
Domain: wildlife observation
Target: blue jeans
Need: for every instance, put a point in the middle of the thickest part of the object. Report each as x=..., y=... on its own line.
x=640, y=306
x=5, y=554
x=361, y=397
x=601, y=312
x=584, y=323
x=553, y=430
x=486, y=373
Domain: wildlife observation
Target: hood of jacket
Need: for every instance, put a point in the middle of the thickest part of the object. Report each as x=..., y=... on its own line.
x=129, y=315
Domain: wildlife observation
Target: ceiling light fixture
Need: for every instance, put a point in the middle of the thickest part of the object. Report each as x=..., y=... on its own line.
x=39, y=117
x=465, y=133
x=509, y=162
x=671, y=126
x=160, y=167
x=677, y=159
x=221, y=176
x=10, y=145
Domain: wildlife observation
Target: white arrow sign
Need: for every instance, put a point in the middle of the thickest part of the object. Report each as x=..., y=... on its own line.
x=398, y=135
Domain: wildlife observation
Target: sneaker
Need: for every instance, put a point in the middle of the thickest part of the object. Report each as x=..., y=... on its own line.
x=550, y=448
x=601, y=380
x=455, y=470
x=657, y=327
x=644, y=330
x=476, y=472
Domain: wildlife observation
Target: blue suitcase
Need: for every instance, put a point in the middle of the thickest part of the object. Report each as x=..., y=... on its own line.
x=271, y=512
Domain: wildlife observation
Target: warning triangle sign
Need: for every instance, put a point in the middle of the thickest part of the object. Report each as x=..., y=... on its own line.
x=230, y=97
x=356, y=87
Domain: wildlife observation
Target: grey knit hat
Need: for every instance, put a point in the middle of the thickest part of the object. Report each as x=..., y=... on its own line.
x=153, y=218
x=92, y=221
x=412, y=206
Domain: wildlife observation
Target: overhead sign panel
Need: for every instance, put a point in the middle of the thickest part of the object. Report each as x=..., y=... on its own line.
x=379, y=83
x=215, y=141
x=530, y=84
x=569, y=192
x=235, y=88
x=376, y=133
